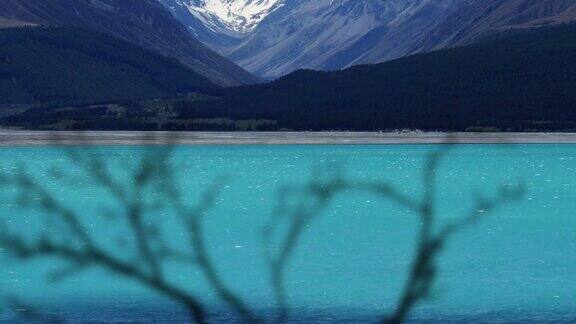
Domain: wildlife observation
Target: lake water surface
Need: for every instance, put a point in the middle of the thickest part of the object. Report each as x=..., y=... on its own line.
x=518, y=264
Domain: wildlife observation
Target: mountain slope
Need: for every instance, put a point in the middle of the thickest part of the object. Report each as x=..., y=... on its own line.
x=320, y=34
x=221, y=24
x=335, y=34
x=471, y=20
x=142, y=22
x=62, y=65
x=519, y=82
x=8, y=23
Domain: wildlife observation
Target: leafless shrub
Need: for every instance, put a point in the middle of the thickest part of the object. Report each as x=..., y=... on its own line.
x=153, y=250
x=325, y=186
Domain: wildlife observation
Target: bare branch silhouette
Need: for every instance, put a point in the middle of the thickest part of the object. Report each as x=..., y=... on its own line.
x=424, y=270
x=152, y=250
x=69, y=239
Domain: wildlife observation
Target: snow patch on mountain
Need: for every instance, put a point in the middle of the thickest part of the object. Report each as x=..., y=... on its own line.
x=239, y=16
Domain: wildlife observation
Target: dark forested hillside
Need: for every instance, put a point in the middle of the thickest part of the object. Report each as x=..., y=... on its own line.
x=145, y=23
x=54, y=65
x=516, y=82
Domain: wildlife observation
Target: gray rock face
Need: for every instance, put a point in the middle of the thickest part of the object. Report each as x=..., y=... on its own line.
x=335, y=34
x=142, y=22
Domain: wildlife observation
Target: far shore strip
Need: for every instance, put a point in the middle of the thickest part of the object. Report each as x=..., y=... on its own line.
x=47, y=138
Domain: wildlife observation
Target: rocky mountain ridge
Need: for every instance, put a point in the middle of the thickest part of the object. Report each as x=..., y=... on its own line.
x=335, y=34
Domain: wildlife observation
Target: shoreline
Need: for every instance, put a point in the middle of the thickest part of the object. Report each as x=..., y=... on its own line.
x=117, y=138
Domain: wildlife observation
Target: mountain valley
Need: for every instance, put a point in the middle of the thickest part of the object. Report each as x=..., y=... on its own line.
x=274, y=38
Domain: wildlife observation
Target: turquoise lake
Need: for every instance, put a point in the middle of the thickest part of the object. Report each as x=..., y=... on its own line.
x=516, y=265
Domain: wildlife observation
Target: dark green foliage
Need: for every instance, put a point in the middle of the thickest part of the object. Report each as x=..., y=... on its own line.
x=514, y=82
x=62, y=66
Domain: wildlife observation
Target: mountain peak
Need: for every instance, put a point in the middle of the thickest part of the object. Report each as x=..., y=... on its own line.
x=239, y=16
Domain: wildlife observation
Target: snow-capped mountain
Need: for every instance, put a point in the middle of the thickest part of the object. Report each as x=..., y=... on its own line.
x=238, y=15
x=274, y=37
x=221, y=24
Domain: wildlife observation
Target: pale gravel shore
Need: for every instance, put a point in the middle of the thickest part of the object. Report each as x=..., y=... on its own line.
x=45, y=138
